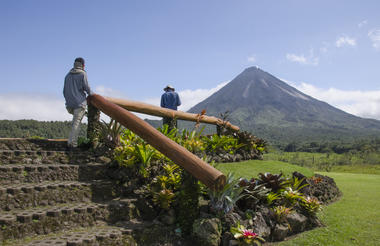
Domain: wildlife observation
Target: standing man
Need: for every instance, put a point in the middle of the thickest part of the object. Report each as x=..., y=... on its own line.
x=170, y=99
x=74, y=91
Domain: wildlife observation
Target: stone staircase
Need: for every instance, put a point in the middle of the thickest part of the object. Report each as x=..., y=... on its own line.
x=50, y=196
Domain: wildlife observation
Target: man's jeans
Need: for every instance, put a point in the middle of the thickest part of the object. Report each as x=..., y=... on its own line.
x=78, y=114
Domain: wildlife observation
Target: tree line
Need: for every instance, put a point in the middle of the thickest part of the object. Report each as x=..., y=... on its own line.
x=37, y=129
x=366, y=145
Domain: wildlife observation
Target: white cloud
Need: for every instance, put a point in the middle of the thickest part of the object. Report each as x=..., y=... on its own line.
x=32, y=106
x=108, y=92
x=363, y=23
x=251, y=59
x=345, y=41
x=360, y=103
x=302, y=59
x=374, y=35
x=296, y=58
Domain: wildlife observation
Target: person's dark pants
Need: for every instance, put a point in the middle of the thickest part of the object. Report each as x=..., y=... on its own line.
x=171, y=122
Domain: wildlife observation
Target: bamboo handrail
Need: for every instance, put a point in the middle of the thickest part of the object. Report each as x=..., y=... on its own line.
x=146, y=108
x=211, y=177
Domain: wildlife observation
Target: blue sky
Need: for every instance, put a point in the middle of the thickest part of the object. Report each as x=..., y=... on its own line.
x=133, y=48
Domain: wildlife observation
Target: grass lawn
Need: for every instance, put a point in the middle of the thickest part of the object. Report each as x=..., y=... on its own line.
x=252, y=168
x=353, y=220
x=364, y=169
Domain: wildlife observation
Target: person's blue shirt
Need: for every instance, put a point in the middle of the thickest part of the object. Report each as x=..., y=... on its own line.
x=170, y=99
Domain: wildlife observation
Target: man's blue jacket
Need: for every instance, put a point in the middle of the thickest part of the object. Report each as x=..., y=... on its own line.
x=170, y=99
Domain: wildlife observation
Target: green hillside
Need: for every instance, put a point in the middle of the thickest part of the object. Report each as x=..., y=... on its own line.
x=34, y=128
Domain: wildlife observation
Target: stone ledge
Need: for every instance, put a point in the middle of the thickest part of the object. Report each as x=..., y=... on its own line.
x=22, y=196
x=10, y=174
x=92, y=236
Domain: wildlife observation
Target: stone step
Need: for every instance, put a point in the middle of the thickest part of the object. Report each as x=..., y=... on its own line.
x=26, y=195
x=49, y=157
x=39, y=221
x=35, y=173
x=13, y=173
x=101, y=235
x=18, y=224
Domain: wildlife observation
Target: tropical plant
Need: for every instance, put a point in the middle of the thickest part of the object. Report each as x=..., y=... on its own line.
x=110, y=133
x=253, y=193
x=224, y=143
x=144, y=153
x=291, y=196
x=296, y=183
x=164, y=198
x=224, y=200
x=256, y=194
x=246, y=236
x=280, y=213
x=170, y=133
x=275, y=182
x=311, y=205
x=271, y=197
x=250, y=141
x=172, y=179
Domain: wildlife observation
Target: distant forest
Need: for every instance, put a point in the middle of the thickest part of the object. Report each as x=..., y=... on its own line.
x=61, y=129
x=34, y=128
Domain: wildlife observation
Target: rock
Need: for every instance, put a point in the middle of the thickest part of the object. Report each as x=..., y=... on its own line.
x=232, y=219
x=227, y=238
x=280, y=232
x=260, y=226
x=146, y=209
x=238, y=157
x=168, y=218
x=297, y=222
x=103, y=159
x=207, y=232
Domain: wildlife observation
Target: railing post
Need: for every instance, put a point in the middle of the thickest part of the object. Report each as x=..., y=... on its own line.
x=93, y=125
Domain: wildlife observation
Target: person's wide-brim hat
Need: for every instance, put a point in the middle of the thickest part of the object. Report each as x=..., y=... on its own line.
x=168, y=87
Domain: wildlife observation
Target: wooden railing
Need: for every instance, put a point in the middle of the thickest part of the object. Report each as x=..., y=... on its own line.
x=211, y=177
x=146, y=108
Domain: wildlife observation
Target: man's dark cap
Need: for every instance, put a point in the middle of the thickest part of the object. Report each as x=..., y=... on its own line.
x=79, y=59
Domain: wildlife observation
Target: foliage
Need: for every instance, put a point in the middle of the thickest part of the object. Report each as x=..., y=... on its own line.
x=298, y=184
x=172, y=179
x=253, y=193
x=291, y=196
x=274, y=182
x=280, y=213
x=164, y=198
x=311, y=205
x=222, y=143
x=250, y=141
x=144, y=154
x=192, y=141
x=246, y=236
x=187, y=208
x=271, y=197
x=224, y=200
x=165, y=186
x=84, y=143
x=170, y=133
x=110, y=133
